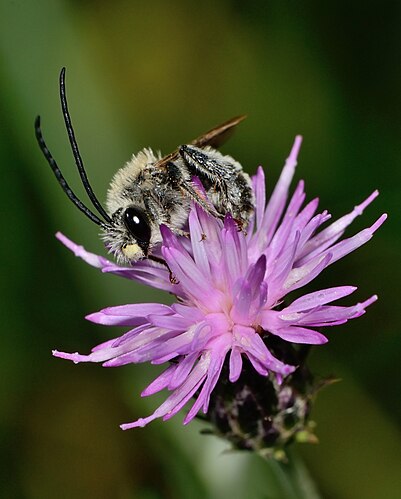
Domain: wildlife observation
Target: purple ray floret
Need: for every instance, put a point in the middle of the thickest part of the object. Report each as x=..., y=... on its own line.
x=230, y=285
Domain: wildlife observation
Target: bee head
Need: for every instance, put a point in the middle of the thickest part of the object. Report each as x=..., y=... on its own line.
x=128, y=236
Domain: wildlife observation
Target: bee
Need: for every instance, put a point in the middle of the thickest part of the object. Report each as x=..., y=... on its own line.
x=151, y=190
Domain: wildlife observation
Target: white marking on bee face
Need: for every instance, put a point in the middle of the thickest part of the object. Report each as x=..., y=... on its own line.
x=132, y=251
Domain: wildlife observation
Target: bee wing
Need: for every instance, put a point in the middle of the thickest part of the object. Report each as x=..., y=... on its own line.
x=219, y=134
x=214, y=137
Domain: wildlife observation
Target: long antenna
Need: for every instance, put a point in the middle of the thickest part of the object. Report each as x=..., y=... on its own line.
x=75, y=150
x=60, y=178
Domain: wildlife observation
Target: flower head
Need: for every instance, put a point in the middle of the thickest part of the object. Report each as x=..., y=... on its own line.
x=230, y=287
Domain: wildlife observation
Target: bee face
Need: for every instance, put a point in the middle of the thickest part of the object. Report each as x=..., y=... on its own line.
x=132, y=230
x=129, y=236
x=150, y=190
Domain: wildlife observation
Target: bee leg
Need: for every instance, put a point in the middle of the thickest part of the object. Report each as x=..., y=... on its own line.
x=180, y=232
x=240, y=225
x=214, y=175
x=156, y=259
x=189, y=190
x=173, y=279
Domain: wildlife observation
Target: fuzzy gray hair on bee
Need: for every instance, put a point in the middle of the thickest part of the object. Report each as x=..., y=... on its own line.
x=151, y=190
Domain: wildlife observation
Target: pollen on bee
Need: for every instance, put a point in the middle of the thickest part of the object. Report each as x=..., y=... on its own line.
x=131, y=251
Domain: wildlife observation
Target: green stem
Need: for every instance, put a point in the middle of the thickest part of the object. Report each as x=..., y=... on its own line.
x=294, y=478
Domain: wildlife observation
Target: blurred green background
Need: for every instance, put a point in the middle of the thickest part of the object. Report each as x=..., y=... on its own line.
x=157, y=74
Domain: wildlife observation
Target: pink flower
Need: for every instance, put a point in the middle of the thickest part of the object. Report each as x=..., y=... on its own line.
x=230, y=287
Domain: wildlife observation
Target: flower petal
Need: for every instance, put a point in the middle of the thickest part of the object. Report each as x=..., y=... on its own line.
x=249, y=342
x=331, y=316
x=199, y=248
x=276, y=204
x=179, y=397
x=317, y=298
x=336, y=229
x=79, y=251
x=348, y=245
x=300, y=276
x=161, y=382
x=300, y=335
x=218, y=351
x=128, y=315
x=235, y=364
x=259, y=189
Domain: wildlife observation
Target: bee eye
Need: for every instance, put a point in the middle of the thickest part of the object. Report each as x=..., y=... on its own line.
x=137, y=223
